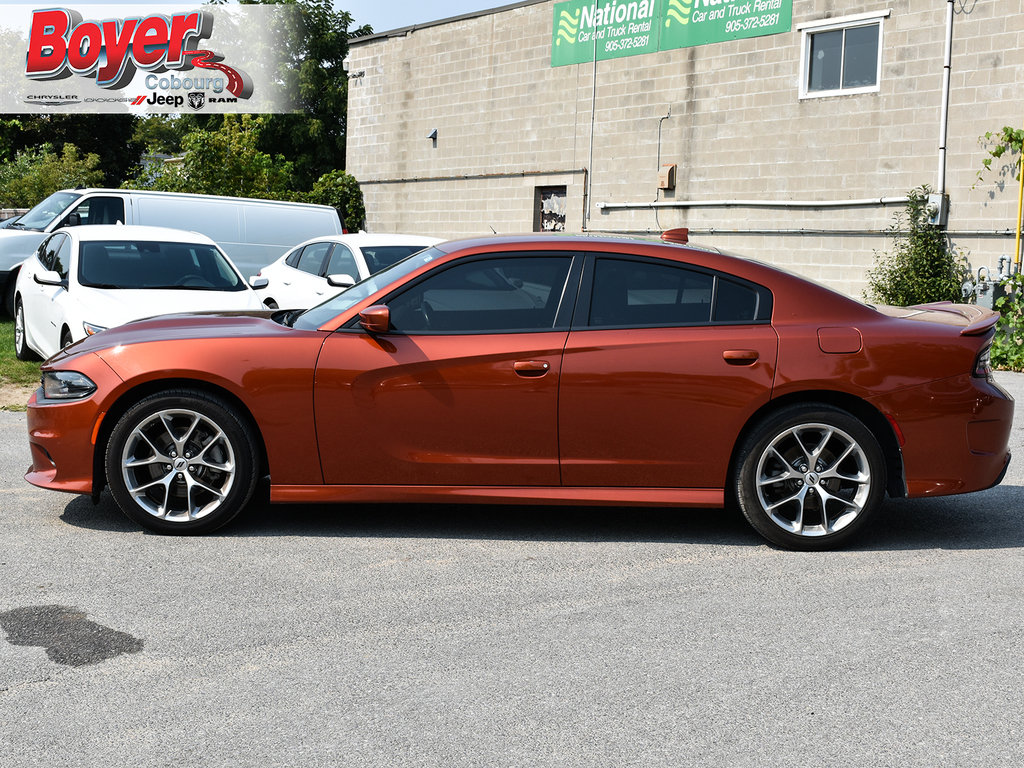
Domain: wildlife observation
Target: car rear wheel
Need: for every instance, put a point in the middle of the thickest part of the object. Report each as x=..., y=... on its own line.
x=809, y=477
x=181, y=461
x=22, y=351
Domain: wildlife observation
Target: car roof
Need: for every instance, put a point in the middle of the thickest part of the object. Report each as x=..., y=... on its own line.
x=115, y=232
x=562, y=241
x=361, y=239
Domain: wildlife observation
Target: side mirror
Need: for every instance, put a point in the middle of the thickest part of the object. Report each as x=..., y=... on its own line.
x=48, y=278
x=258, y=282
x=376, y=319
x=341, y=281
x=73, y=220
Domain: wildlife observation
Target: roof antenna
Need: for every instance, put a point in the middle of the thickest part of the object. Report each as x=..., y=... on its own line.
x=492, y=229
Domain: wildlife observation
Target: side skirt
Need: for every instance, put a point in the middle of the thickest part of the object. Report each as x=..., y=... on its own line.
x=648, y=497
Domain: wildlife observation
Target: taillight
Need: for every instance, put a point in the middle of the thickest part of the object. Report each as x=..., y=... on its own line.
x=983, y=364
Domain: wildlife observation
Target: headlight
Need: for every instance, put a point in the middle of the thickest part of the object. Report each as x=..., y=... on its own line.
x=66, y=385
x=91, y=329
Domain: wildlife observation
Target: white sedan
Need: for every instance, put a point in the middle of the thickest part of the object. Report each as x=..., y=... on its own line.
x=83, y=280
x=323, y=267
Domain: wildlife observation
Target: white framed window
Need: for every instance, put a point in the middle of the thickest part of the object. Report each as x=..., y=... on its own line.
x=841, y=56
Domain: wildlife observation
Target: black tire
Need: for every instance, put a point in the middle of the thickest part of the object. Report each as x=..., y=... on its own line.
x=65, y=339
x=270, y=304
x=9, y=293
x=181, y=462
x=809, y=477
x=22, y=350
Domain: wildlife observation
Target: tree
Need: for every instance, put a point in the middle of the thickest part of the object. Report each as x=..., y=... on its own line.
x=313, y=137
x=341, y=190
x=37, y=173
x=109, y=137
x=226, y=161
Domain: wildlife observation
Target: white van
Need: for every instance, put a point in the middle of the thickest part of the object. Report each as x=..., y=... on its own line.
x=252, y=232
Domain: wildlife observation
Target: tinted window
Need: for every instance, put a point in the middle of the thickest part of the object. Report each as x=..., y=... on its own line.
x=380, y=257
x=485, y=296
x=97, y=210
x=644, y=293
x=312, y=258
x=293, y=258
x=155, y=265
x=735, y=303
x=629, y=293
x=322, y=313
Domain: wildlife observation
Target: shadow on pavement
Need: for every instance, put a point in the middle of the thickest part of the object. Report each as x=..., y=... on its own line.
x=986, y=520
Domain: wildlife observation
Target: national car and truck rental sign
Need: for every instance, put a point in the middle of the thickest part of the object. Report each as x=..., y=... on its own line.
x=588, y=30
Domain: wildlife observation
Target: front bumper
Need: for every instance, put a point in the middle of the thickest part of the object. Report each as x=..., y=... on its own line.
x=62, y=435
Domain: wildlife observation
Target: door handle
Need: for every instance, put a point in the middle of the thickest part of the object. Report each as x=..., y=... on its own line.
x=740, y=356
x=531, y=368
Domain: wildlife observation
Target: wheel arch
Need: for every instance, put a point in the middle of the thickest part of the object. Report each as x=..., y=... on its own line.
x=132, y=396
x=10, y=289
x=862, y=410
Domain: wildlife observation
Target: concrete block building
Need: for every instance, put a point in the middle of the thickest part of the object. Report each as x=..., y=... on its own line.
x=787, y=130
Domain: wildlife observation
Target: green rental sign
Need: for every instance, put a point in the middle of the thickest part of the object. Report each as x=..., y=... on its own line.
x=585, y=30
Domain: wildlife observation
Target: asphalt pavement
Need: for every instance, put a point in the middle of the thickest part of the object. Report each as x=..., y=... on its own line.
x=508, y=636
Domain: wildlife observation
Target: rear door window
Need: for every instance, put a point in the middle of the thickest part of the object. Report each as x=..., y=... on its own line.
x=647, y=293
x=312, y=258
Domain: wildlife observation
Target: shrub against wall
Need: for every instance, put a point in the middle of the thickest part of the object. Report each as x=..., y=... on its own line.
x=922, y=266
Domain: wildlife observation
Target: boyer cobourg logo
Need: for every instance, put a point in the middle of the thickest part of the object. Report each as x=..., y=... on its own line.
x=111, y=51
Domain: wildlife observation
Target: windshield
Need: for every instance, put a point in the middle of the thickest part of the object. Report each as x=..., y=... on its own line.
x=313, y=318
x=52, y=207
x=132, y=264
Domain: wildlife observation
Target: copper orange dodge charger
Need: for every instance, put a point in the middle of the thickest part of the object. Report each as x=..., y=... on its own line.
x=536, y=370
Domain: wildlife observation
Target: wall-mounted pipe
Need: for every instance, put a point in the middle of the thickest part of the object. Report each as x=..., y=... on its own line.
x=944, y=116
x=860, y=203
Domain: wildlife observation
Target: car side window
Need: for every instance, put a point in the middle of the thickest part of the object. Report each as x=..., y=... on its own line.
x=47, y=253
x=62, y=259
x=635, y=293
x=493, y=295
x=342, y=262
x=292, y=259
x=95, y=210
x=312, y=258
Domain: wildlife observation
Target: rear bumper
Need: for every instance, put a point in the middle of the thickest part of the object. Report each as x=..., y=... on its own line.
x=957, y=434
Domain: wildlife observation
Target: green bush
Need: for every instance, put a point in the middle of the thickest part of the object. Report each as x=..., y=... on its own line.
x=341, y=190
x=1008, y=344
x=37, y=173
x=923, y=267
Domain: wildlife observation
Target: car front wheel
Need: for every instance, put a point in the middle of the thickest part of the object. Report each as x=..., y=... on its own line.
x=181, y=461
x=809, y=477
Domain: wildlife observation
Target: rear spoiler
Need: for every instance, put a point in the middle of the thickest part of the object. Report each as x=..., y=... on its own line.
x=979, y=320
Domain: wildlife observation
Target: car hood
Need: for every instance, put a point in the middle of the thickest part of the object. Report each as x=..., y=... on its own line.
x=110, y=308
x=972, y=320
x=195, y=325
x=16, y=245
